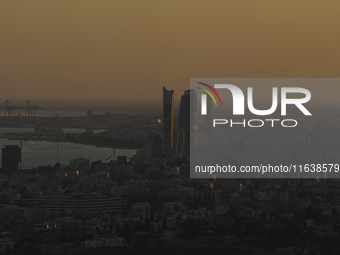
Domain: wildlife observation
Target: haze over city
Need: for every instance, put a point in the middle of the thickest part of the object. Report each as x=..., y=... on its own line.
x=129, y=49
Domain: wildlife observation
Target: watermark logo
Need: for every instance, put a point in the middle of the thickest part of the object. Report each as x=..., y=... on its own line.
x=239, y=104
x=204, y=97
x=238, y=99
x=263, y=127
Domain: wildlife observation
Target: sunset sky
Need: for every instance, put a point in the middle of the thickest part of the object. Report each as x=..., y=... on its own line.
x=109, y=49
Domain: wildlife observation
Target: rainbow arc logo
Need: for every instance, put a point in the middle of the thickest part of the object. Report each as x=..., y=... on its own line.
x=208, y=92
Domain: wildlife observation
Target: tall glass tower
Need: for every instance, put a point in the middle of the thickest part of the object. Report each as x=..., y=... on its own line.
x=168, y=120
x=187, y=114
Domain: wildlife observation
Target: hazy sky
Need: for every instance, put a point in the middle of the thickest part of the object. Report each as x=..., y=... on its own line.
x=130, y=49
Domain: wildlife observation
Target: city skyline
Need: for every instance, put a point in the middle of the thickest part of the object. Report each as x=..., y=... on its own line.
x=114, y=139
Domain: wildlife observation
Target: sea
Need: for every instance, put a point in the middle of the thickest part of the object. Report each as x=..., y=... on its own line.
x=43, y=153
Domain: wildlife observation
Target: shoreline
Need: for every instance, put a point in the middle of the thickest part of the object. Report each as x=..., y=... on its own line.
x=73, y=142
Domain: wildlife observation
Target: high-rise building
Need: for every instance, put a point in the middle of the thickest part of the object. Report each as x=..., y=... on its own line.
x=153, y=147
x=11, y=156
x=168, y=120
x=153, y=150
x=179, y=140
x=188, y=115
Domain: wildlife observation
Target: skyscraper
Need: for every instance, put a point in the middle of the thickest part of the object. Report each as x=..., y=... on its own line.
x=11, y=156
x=179, y=140
x=168, y=120
x=188, y=115
x=152, y=147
